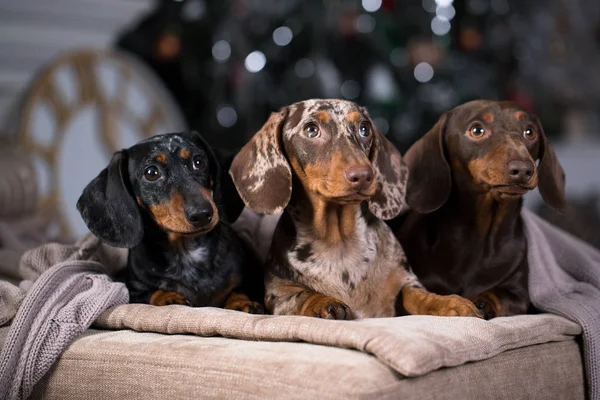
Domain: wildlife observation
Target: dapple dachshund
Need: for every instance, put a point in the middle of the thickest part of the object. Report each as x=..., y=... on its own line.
x=167, y=200
x=335, y=177
x=464, y=234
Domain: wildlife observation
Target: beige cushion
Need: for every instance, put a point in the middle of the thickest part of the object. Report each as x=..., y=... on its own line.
x=130, y=365
x=412, y=345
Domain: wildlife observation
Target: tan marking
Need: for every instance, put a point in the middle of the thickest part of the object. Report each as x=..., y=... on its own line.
x=184, y=153
x=164, y=298
x=520, y=115
x=161, y=158
x=175, y=239
x=208, y=196
x=241, y=302
x=489, y=169
x=417, y=301
x=323, y=117
x=319, y=305
x=139, y=201
x=488, y=117
x=170, y=215
x=353, y=116
x=283, y=297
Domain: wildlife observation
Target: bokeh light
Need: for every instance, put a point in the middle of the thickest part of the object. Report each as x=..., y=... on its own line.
x=255, y=61
x=423, y=72
x=221, y=51
x=282, y=36
x=371, y=5
x=226, y=116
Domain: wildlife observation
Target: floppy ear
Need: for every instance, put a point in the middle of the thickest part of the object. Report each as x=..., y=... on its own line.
x=225, y=196
x=429, y=178
x=551, y=176
x=261, y=172
x=108, y=208
x=391, y=174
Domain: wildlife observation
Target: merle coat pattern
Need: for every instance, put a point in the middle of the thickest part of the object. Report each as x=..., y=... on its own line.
x=167, y=200
x=335, y=177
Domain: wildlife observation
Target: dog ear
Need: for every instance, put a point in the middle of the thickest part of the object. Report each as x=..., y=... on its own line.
x=551, y=176
x=429, y=177
x=261, y=172
x=108, y=208
x=391, y=174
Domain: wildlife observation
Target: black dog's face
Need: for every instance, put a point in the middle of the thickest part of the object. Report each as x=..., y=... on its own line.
x=172, y=179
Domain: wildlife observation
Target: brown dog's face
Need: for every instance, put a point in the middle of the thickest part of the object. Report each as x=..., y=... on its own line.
x=496, y=144
x=332, y=148
x=484, y=146
x=328, y=146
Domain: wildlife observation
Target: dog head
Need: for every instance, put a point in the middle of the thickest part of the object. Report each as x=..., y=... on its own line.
x=175, y=179
x=332, y=147
x=489, y=146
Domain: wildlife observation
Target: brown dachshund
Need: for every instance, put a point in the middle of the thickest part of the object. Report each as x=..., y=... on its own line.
x=324, y=163
x=467, y=175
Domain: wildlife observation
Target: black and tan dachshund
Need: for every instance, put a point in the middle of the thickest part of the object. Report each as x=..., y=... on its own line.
x=465, y=234
x=167, y=199
x=336, y=177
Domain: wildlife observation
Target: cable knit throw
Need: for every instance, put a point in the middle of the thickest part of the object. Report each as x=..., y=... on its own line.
x=71, y=288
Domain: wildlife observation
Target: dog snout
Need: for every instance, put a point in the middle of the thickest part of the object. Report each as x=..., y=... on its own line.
x=199, y=216
x=520, y=171
x=359, y=176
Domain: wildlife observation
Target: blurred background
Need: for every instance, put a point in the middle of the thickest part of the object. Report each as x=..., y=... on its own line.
x=82, y=79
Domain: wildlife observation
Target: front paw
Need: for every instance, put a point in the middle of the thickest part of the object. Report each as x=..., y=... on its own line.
x=241, y=302
x=247, y=306
x=322, y=306
x=452, y=305
x=488, y=304
x=163, y=298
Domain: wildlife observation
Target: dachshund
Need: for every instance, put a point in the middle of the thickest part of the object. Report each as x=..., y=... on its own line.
x=335, y=177
x=167, y=199
x=464, y=234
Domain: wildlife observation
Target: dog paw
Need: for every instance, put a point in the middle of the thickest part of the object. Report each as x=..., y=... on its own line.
x=163, y=298
x=321, y=306
x=247, y=306
x=453, y=305
x=488, y=304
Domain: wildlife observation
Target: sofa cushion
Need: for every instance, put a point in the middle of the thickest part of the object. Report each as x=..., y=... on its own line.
x=413, y=345
x=146, y=366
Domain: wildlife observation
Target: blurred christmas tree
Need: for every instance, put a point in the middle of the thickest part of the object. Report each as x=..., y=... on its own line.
x=229, y=63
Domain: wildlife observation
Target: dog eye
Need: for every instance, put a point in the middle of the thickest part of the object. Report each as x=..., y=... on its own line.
x=312, y=131
x=529, y=133
x=151, y=173
x=477, y=131
x=198, y=162
x=364, y=130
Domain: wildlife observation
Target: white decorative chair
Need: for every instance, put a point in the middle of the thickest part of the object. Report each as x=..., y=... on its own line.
x=79, y=110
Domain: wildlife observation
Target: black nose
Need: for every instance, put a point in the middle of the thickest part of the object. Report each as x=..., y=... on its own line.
x=199, y=216
x=520, y=171
x=359, y=176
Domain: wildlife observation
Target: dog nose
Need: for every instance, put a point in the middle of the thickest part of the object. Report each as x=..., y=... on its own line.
x=359, y=176
x=520, y=171
x=199, y=216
